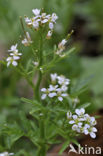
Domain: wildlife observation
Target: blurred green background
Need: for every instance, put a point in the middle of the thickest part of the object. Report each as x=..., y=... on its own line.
x=85, y=18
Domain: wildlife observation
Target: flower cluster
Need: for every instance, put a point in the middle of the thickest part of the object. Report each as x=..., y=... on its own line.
x=82, y=123
x=6, y=154
x=61, y=48
x=40, y=19
x=58, y=87
x=14, y=56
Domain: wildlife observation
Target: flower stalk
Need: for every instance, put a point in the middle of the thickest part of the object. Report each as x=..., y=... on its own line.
x=37, y=88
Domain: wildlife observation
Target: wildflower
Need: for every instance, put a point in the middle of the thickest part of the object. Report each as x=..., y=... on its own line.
x=41, y=69
x=36, y=63
x=27, y=41
x=52, y=88
x=54, y=17
x=82, y=123
x=28, y=21
x=61, y=94
x=80, y=112
x=6, y=154
x=57, y=88
x=10, y=60
x=45, y=93
x=14, y=56
x=35, y=25
x=64, y=88
x=69, y=115
x=53, y=77
x=76, y=100
x=42, y=19
x=92, y=132
x=61, y=47
x=49, y=34
x=63, y=81
x=13, y=48
x=36, y=12
x=51, y=26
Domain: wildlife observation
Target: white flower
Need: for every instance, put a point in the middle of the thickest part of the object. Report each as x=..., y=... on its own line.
x=36, y=63
x=45, y=93
x=27, y=41
x=60, y=94
x=71, y=122
x=61, y=45
x=69, y=115
x=28, y=21
x=35, y=25
x=53, y=77
x=83, y=123
x=62, y=80
x=56, y=90
x=76, y=100
x=43, y=89
x=92, y=121
x=74, y=127
x=85, y=131
x=63, y=42
x=80, y=111
x=93, y=129
x=60, y=98
x=41, y=19
x=51, y=95
x=15, y=55
x=49, y=34
x=51, y=26
x=44, y=21
x=10, y=60
x=54, y=17
x=92, y=132
x=43, y=96
x=93, y=135
x=52, y=88
x=64, y=88
x=36, y=12
x=13, y=48
x=14, y=52
x=6, y=154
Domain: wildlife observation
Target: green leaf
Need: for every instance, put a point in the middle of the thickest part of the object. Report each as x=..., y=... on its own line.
x=27, y=100
x=33, y=110
x=70, y=51
x=64, y=146
x=30, y=101
x=75, y=142
x=97, y=116
x=13, y=133
x=85, y=105
x=80, y=86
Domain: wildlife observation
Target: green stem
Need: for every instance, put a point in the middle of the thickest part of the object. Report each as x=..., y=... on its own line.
x=42, y=149
x=37, y=88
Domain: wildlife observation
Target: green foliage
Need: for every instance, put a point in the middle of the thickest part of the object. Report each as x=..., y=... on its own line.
x=44, y=123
